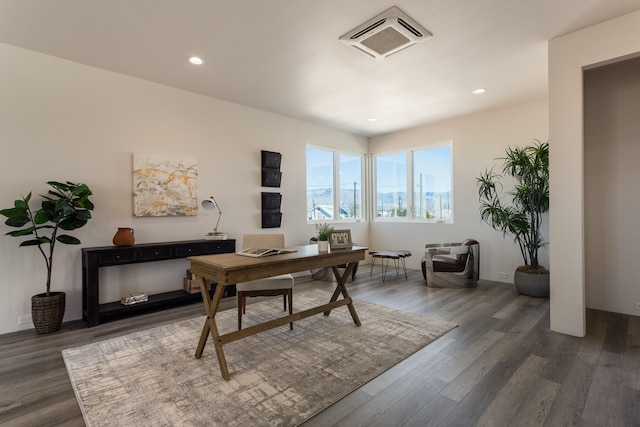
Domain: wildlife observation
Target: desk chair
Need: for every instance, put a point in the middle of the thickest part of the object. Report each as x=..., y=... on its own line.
x=276, y=285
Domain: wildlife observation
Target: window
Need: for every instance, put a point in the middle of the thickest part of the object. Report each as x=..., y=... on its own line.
x=350, y=186
x=428, y=172
x=391, y=185
x=333, y=179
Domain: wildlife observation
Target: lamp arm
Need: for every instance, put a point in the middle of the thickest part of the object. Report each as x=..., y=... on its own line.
x=215, y=202
x=215, y=229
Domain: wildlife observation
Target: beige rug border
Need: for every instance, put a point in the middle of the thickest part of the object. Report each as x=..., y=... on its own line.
x=451, y=326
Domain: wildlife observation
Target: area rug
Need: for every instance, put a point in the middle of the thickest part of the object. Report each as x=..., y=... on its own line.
x=278, y=377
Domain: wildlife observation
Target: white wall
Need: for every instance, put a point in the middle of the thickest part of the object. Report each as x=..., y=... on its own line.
x=60, y=120
x=477, y=140
x=568, y=55
x=612, y=200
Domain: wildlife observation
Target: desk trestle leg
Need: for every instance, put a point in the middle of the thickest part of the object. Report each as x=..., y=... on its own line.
x=342, y=289
x=211, y=307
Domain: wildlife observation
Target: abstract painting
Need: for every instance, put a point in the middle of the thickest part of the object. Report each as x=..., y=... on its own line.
x=164, y=185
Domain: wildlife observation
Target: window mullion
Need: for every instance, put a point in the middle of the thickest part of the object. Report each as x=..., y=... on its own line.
x=410, y=203
x=336, y=185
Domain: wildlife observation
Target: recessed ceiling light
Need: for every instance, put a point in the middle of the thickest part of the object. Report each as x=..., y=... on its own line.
x=196, y=61
x=372, y=119
x=479, y=91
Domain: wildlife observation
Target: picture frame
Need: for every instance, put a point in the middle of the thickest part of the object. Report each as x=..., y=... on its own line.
x=340, y=239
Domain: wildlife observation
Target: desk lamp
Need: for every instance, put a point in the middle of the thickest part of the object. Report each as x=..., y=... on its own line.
x=210, y=204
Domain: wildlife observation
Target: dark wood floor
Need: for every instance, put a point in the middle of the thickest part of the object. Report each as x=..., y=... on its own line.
x=500, y=367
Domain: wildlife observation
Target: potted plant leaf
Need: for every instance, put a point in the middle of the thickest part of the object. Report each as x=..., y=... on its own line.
x=66, y=207
x=522, y=217
x=324, y=231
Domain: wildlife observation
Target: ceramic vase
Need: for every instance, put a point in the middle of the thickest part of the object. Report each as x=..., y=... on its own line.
x=124, y=237
x=323, y=246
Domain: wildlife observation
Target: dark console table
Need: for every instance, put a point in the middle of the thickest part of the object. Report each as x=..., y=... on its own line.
x=93, y=258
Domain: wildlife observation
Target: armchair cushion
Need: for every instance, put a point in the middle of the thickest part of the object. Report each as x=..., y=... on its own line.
x=450, y=264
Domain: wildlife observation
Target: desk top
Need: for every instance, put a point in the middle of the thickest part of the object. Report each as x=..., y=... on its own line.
x=228, y=269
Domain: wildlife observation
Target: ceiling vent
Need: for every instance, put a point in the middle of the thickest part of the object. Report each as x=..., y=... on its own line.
x=386, y=34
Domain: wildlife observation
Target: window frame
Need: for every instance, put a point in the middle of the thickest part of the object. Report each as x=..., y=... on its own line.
x=410, y=185
x=336, y=185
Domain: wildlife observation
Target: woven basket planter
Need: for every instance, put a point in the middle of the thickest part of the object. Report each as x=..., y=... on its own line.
x=47, y=311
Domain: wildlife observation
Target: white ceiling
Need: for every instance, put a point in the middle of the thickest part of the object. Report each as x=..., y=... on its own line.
x=284, y=56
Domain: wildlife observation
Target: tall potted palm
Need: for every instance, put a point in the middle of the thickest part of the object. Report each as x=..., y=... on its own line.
x=529, y=167
x=66, y=207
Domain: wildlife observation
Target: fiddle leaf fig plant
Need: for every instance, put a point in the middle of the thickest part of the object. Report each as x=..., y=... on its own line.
x=66, y=207
x=529, y=167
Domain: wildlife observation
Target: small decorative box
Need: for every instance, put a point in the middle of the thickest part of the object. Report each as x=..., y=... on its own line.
x=134, y=298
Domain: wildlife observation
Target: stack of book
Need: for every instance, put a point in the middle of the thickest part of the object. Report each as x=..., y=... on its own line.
x=193, y=282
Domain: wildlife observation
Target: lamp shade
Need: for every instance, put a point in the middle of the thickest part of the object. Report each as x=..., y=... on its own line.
x=209, y=204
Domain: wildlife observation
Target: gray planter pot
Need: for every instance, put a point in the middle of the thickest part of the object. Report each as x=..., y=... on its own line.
x=533, y=285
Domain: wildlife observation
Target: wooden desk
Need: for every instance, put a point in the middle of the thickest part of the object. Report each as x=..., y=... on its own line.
x=227, y=269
